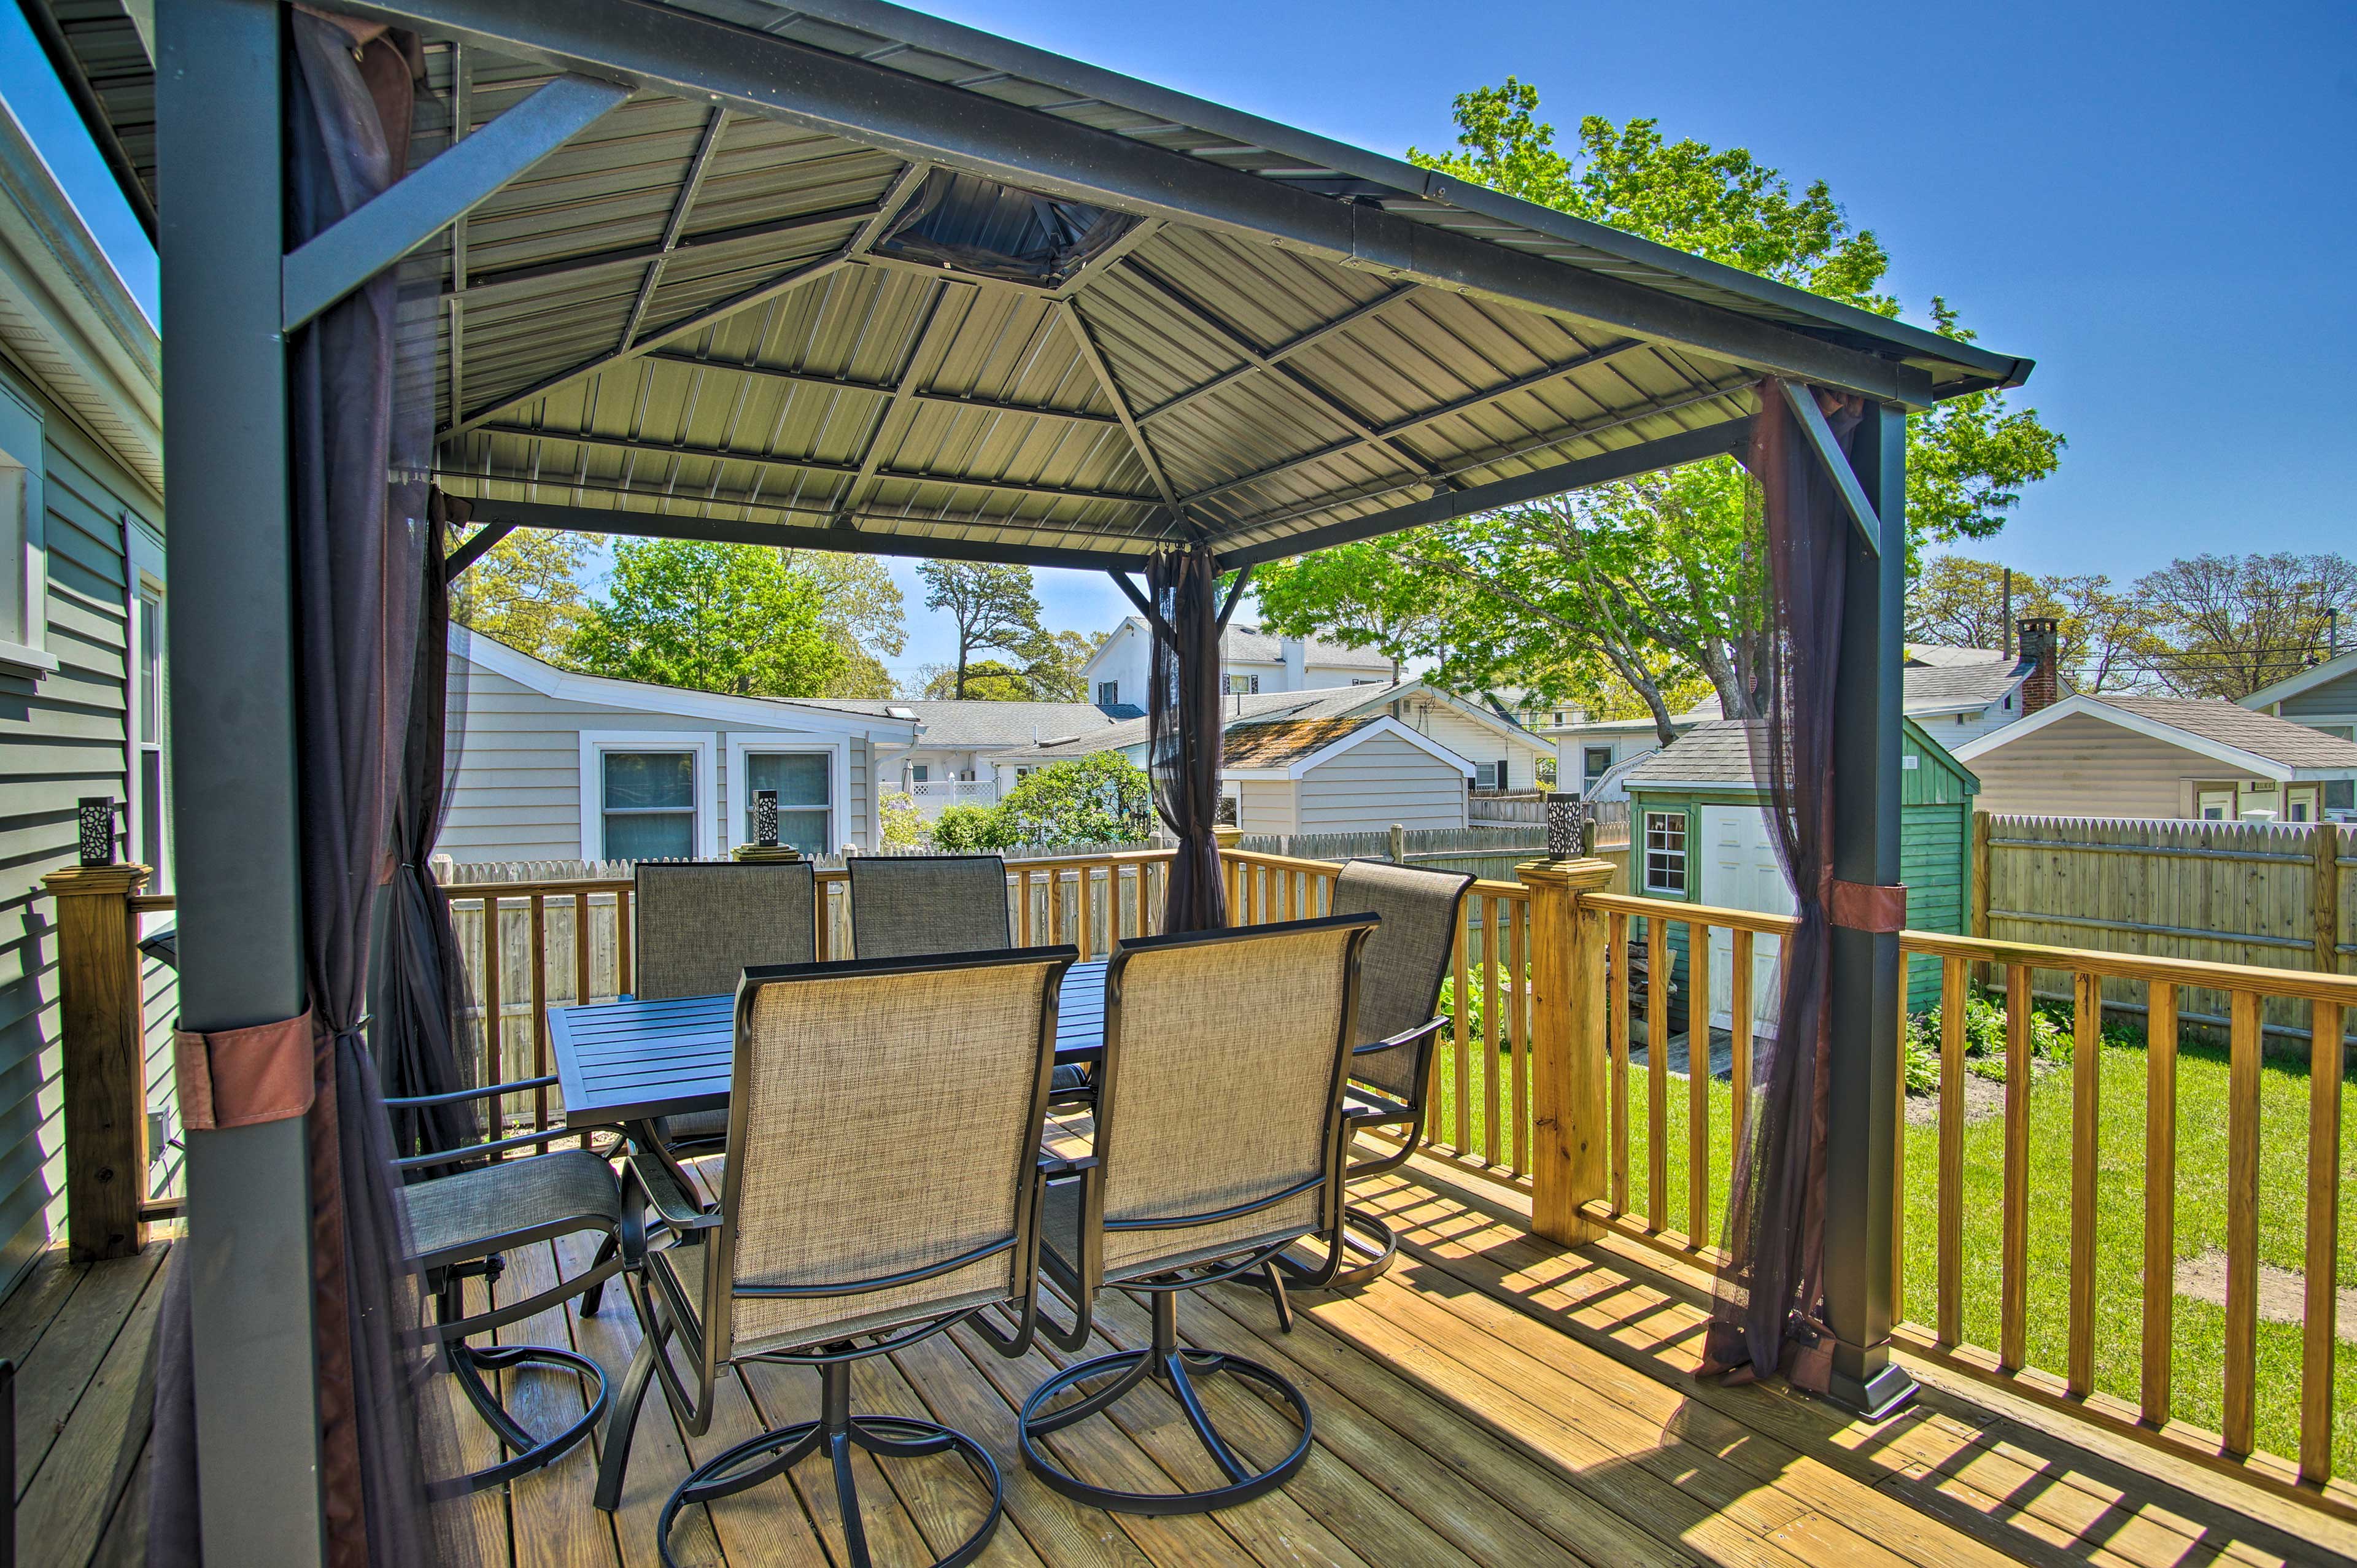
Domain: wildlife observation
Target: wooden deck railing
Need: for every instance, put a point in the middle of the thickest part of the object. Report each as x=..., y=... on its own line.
x=1537, y=1087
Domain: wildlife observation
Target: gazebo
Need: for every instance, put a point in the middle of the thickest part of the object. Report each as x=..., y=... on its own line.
x=839, y=276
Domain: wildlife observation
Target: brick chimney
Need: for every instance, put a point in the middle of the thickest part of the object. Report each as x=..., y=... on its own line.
x=2043, y=685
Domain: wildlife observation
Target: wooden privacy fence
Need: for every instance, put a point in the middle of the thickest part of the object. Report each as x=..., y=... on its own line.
x=2265, y=895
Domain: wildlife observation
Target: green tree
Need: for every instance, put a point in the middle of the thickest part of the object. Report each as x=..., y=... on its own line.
x=862, y=612
x=1098, y=798
x=2235, y=623
x=715, y=618
x=993, y=607
x=970, y=828
x=2105, y=642
x=526, y=592
x=1661, y=578
x=986, y=680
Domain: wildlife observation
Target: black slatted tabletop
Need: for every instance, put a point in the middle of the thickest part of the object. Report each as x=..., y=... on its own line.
x=631, y=1061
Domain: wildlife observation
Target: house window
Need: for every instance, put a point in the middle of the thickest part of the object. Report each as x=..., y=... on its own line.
x=804, y=781
x=1362, y=680
x=2341, y=795
x=1243, y=685
x=919, y=773
x=1232, y=804
x=23, y=563
x=1665, y=853
x=1595, y=762
x=148, y=782
x=1485, y=776
x=1109, y=693
x=648, y=804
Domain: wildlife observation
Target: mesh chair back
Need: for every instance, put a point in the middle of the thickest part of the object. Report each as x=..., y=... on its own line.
x=702, y=923
x=905, y=905
x=883, y=1117
x=1407, y=960
x=1221, y=1087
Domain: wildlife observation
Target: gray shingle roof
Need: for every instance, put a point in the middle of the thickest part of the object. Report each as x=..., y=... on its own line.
x=2230, y=723
x=1259, y=707
x=1940, y=688
x=975, y=725
x=1718, y=752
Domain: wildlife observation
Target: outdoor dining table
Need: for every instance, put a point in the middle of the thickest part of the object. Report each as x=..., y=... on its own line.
x=633, y=1061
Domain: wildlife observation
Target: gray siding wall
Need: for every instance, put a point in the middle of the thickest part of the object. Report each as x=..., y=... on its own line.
x=518, y=793
x=1477, y=742
x=1266, y=806
x=61, y=738
x=2333, y=700
x=2082, y=767
x=1376, y=783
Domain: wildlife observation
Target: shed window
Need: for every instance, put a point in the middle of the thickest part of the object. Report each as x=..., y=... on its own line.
x=1665, y=853
x=802, y=780
x=649, y=804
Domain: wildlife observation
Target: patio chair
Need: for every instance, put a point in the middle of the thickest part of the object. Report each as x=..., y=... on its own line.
x=460, y=1225
x=902, y=906
x=855, y=1218
x=1407, y=963
x=1219, y=1144
x=701, y=925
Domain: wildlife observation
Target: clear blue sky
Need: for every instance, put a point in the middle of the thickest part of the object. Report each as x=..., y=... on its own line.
x=2154, y=201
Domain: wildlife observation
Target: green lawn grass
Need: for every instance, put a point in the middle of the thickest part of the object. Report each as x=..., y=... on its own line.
x=2199, y=1334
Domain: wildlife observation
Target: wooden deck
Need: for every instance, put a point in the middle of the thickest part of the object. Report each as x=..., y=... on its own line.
x=1496, y=1402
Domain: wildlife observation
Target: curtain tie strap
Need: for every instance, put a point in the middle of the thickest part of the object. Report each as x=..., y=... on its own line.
x=1867, y=907
x=239, y=1078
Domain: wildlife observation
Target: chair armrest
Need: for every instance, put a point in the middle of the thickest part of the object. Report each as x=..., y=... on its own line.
x=479, y=1151
x=455, y=1095
x=653, y=1186
x=1404, y=1037
x=1055, y=1168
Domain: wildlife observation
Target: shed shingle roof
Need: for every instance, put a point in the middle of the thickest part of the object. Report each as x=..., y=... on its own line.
x=1718, y=752
x=1275, y=744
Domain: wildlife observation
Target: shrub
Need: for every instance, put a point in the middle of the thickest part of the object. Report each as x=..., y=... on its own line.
x=2049, y=1040
x=904, y=825
x=971, y=828
x=1098, y=798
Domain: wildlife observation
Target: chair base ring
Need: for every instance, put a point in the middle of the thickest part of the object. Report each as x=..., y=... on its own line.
x=528, y=1453
x=1176, y=1368
x=1368, y=1239
x=773, y=1454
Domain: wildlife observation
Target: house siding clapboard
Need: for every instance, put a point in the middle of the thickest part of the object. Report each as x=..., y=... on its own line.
x=2082, y=767
x=61, y=738
x=517, y=786
x=1266, y=806
x=1477, y=742
x=1379, y=782
x=2328, y=702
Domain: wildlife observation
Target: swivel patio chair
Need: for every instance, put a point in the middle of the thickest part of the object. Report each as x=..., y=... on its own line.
x=701, y=924
x=855, y=1218
x=460, y=1226
x=903, y=905
x=1407, y=963
x=1219, y=1144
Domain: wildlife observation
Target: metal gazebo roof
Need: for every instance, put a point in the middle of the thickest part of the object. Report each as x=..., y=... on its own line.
x=845, y=276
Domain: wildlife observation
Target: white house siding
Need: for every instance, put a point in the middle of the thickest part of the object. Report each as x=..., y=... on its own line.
x=61, y=738
x=1953, y=730
x=1477, y=742
x=2082, y=767
x=517, y=793
x=1376, y=783
x=1266, y=806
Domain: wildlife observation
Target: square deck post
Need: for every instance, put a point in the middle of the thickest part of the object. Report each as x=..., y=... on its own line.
x=1861, y=1198
x=218, y=83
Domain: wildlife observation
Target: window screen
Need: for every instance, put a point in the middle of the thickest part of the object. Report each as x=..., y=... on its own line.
x=802, y=780
x=649, y=805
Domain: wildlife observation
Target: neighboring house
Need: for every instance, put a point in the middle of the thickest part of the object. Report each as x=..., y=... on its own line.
x=1250, y=660
x=2159, y=756
x=2324, y=698
x=1340, y=776
x=555, y=766
x=1699, y=831
x=947, y=763
x=1957, y=694
x=1492, y=748
x=82, y=649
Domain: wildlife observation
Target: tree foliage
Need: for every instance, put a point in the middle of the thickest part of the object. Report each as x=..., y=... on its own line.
x=526, y=592
x=1644, y=584
x=861, y=611
x=2107, y=643
x=716, y=617
x=993, y=608
x=1101, y=797
x=2235, y=623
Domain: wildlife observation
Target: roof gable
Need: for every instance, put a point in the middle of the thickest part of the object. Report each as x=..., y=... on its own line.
x=2321, y=674
x=2224, y=732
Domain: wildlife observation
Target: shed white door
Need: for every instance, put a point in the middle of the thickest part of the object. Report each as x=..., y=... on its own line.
x=1739, y=871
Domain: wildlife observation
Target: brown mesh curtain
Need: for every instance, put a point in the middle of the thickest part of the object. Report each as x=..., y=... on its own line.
x=1183, y=721
x=1768, y=1312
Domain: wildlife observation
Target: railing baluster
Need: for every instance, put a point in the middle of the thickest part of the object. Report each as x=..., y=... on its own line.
x=540, y=1009
x=1145, y=880
x=1463, y=1031
x=2086, y=1077
x=2013, y=1288
x=1950, y=1305
x=1657, y=1073
x=1615, y=1025
x=1087, y=924
x=580, y=948
x=1899, y=1164
x=2243, y=1224
x=1739, y=1026
x=625, y=983
x=1518, y=1026
x=2159, y=1199
x=2324, y=1069
x=822, y=918
x=494, y=1023
x=1699, y=1083
x=1492, y=1107
x=1023, y=905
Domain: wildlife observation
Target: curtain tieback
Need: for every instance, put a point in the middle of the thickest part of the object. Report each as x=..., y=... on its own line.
x=239, y=1078
x=1867, y=907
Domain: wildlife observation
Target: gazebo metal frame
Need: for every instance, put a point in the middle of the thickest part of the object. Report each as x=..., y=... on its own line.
x=1239, y=338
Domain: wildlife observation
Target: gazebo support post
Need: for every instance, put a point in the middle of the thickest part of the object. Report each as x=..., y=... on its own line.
x=1861, y=1196
x=234, y=763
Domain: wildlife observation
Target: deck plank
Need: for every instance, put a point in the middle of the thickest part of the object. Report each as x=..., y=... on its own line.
x=550, y=1506
x=52, y=1380
x=86, y=1471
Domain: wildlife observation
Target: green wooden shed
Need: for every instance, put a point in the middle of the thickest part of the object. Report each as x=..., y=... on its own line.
x=1697, y=835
